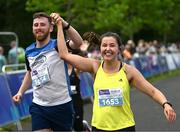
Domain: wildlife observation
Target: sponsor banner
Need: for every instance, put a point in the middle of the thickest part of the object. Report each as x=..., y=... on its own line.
x=176, y=59
x=143, y=65
x=14, y=81
x=8, y=112
x=153, y=62
x=162, y=62
x=170, y=62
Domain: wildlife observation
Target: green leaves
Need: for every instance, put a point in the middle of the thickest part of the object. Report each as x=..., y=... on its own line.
x=127, y=17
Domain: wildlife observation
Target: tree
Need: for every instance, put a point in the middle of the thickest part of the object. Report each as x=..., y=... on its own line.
x=127, y=17
x=14, y=18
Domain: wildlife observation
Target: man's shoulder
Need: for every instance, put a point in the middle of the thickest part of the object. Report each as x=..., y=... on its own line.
x=31, y=46
x=53, y=41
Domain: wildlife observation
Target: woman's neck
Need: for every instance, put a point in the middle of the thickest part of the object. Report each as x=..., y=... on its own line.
x=111, y=67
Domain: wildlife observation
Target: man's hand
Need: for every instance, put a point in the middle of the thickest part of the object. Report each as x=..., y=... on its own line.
x=56, y=19
x=17, y=98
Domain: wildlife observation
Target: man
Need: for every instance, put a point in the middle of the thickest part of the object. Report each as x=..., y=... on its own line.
x=15, y=54
x=52, y=108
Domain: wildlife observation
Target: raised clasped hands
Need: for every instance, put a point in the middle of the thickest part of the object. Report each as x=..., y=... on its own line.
x=56, y=18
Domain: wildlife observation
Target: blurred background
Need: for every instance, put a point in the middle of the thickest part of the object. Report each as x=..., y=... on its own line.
x=149, y=30
x=132, y=19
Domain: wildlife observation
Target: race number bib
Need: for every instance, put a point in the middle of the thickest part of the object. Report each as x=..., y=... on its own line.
x=73, y=89
x=40, y=76
x=110, y=97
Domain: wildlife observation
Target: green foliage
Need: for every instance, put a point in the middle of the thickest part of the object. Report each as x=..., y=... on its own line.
x=14, y=18
x=127, y=17
x=46, y=5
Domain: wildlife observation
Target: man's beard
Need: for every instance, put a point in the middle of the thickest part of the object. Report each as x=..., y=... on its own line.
x=41, y=37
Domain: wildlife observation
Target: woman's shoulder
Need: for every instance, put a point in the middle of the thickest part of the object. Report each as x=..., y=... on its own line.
x=129, y=67
x=96, y=65
x=130, y=70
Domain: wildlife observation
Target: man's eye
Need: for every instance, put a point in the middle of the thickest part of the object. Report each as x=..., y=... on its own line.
x=43, y=24
x=104, y=45
x=35, y=25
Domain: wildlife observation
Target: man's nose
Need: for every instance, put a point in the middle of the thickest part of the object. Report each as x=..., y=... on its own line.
x=107, y=48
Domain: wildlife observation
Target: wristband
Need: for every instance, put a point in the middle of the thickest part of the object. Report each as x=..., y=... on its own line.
x=67, y=27
x=167, y=102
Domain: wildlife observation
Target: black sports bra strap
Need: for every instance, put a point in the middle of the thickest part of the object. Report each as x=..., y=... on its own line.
x=121, y=65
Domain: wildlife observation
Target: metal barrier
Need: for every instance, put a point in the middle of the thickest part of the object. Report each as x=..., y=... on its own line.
x=14, y=68
x=10, y=81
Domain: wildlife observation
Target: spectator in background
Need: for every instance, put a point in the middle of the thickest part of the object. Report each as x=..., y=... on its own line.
x=75, y=81
x=172, y=48
x=151, y=49
x=127, y=53
x=132, y=46
x=141, y=48
x=16, y=55
x=92, y=42
x=157, y=46
x=2, y=58
x=76, y=97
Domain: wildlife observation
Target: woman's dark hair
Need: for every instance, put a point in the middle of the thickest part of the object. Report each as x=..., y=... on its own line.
x=95, y=40
x=42, y=14
x=112, y=34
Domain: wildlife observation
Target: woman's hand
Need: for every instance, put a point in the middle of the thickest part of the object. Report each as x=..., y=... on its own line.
x=169, y=113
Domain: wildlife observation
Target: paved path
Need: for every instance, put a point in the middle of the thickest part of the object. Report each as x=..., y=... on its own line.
x=148, y=114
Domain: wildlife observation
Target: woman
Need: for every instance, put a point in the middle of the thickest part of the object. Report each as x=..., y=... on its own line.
x=74, y=76
x=112, y=80
x=76, y=98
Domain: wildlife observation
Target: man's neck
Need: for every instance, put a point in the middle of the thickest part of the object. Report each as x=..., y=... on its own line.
x=40, y=44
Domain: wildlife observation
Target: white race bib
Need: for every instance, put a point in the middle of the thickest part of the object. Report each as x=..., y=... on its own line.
x=73, y=89
x=110, y=97
x=40, y=76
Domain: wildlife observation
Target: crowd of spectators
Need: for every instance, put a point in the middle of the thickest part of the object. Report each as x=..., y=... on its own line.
x=148, y=48
x=131, y=50
x=135, y=50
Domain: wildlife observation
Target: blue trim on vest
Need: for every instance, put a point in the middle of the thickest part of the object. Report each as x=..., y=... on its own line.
x=32, y=51
x=67, y=78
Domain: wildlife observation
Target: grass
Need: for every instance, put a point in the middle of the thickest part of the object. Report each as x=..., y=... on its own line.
x=164, y=75
x=12, y=126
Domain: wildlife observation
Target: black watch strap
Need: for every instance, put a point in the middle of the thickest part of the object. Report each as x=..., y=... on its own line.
x=67, y=27
x=167, y=102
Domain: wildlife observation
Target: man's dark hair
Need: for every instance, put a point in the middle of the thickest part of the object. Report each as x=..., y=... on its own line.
x=42, y=14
